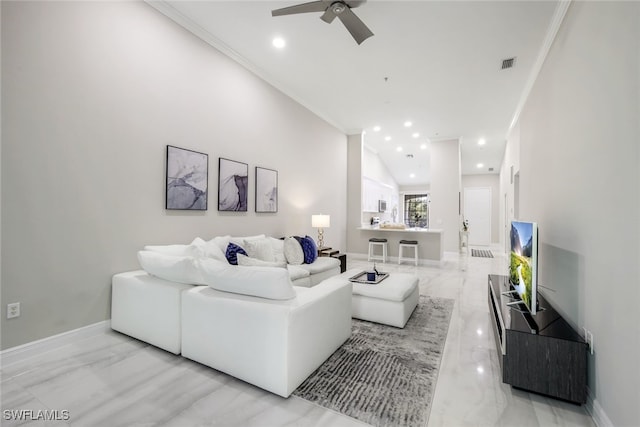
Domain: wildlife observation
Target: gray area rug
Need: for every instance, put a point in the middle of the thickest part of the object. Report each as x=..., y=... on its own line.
x=481, y=253
x=382, y=375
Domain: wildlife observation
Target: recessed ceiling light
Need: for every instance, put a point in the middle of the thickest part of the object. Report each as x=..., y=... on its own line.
x=482, y=141
x=480, y=369
x=423, y=147
x=480, y=165
x=387, y=138
x=376, y=128
x=416, y=135
x=398, y=149
x=408, y=124
x=279, y=42
x=413, y=175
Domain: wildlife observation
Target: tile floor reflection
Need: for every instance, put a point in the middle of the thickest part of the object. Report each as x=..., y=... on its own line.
x=112, y=380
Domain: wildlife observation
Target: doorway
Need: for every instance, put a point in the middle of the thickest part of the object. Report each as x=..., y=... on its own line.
x=477, y=210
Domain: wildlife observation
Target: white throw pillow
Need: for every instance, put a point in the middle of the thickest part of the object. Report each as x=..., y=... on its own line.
x=201, y=249
x=278, y=249
x=246, y=261
x=260, y=249
x=293, y=251
x=222, y=242
x=182, y=269
x=256, y=237
x=263, y=282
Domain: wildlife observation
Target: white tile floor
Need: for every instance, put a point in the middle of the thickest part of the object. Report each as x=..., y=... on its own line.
x=112, y=380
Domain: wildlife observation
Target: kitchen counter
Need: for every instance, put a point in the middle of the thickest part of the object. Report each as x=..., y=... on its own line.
x=403, y=230
x=430, y=241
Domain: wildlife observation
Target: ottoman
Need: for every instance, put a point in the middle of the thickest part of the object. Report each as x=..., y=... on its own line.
x=390, y=302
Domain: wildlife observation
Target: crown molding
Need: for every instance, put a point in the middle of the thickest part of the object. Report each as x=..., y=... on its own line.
x=552, y=32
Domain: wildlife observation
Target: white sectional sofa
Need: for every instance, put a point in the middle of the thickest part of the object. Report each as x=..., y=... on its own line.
x=274, y=345
x=247, y=321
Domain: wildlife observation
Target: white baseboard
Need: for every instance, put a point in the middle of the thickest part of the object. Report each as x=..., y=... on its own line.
x=594, y=409
x=34, y=348
x=394, y=260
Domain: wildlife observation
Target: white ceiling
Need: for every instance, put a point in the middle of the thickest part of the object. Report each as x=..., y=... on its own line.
x=435, y=63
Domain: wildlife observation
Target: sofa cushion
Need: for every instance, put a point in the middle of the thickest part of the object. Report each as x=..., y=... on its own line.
x=181, y=269
x=321, y=264
x=232, y=253
x=309, y=249
x=247, y=261
x=293, y=251
x=263, y=282
x=297, y=272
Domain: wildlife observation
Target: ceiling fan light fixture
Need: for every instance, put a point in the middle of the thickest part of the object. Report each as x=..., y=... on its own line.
x=340, y=9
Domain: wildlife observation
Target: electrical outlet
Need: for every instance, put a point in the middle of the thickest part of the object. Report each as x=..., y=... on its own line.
x=13, y=310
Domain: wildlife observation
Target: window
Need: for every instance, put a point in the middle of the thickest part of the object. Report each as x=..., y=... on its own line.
x=416, y=210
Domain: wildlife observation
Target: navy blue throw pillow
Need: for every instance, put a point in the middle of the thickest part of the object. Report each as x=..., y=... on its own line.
x=232, y=253
x=309, y=249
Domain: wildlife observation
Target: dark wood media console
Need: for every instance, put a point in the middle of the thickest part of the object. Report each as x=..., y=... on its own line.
x=541, y=353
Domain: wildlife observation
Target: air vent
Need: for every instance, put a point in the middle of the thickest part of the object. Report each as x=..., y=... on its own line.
x=409, y=156
x=508, y=63
x=490, y=169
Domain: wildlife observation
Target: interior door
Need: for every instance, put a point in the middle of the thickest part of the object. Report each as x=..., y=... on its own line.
x=477, y=210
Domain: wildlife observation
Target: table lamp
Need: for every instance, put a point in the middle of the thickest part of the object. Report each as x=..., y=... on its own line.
x=320, y=222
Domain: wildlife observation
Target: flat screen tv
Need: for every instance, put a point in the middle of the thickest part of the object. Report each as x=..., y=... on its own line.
x=523, y=262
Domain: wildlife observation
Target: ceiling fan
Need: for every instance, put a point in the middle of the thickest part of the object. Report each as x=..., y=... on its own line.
x=332, y=9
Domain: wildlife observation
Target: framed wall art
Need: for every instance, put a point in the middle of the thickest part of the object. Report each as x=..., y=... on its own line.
x=266, y=190
x=233, y=180
x=187, y=176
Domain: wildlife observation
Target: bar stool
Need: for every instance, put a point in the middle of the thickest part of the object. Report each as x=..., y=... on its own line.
x=408, y=244
x=373, y=242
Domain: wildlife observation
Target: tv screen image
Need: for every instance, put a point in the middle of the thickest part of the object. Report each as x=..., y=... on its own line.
x=523, y=262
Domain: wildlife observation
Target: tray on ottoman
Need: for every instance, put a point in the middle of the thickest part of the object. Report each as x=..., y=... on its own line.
x=362, y=278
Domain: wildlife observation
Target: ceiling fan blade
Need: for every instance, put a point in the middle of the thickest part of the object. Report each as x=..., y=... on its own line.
x=314, y=6
x=328, y=16
x=356, y=27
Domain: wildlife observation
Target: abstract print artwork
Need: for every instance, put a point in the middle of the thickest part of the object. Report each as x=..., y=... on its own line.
x=187, y=177
x=233, y=178
x=266, y=190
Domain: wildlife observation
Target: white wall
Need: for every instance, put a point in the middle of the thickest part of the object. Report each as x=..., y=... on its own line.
x=445, y=191
x=374, y=169
x=92, y=92
x=491, y=181
x=577, y=147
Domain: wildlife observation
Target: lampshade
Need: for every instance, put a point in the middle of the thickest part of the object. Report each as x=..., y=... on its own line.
x=321, y=221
